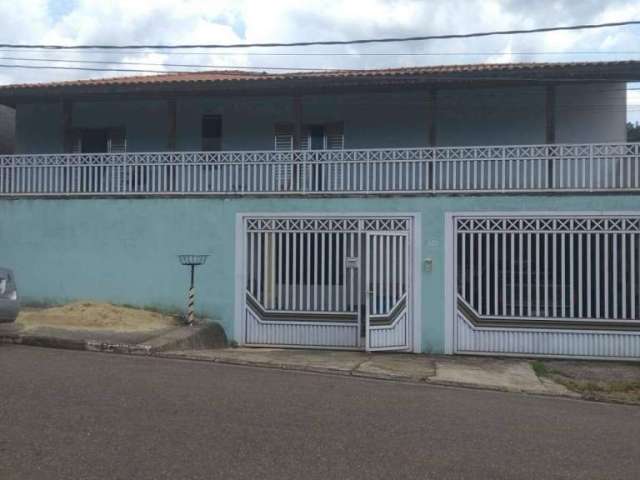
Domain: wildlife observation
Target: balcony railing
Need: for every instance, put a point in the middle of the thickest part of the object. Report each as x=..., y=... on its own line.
x=515, y=168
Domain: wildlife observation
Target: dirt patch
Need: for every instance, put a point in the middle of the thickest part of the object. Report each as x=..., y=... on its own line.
x=88, y=315
x=606, y=381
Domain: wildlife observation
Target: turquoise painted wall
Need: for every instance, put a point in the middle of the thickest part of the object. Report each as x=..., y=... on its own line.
x=512, y=115
x=123, y=250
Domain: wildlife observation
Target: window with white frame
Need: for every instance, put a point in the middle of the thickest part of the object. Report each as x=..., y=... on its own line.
x=321, y=136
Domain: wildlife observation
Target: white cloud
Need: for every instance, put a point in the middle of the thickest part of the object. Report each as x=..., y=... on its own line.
x=633, y=103
x=228, y=21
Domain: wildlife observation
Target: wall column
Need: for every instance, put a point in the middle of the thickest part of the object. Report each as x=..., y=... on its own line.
x=171, y=125
x=550, y=128
x=550, y=114
x=432, y=130
x=297, y=121
x=432, y=114
x=67, y=125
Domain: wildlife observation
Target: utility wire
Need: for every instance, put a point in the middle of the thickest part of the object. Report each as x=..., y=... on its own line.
x=131, y=70
x=185, y=65
x=357, y=54
x=118, y=62
x=362, y=41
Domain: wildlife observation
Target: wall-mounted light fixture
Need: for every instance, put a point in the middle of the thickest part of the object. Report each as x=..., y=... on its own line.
x=428, y=264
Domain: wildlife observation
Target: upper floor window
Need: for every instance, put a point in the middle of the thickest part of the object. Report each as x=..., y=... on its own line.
x=326, y=136
x=283, y=136
x=211, y=132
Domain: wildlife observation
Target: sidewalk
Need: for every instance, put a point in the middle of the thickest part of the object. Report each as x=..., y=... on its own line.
x=509, y=375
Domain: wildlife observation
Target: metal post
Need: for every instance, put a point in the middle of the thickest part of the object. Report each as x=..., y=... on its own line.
x=191, y=298
x=192, y=261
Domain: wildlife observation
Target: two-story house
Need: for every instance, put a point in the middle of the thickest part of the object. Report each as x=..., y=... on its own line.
x=456, y=209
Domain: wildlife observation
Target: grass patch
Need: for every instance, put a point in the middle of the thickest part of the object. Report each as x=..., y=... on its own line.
x=624, y=391
x=615, y=391
x=164, y=310
x=540, y=368
x=587, y=387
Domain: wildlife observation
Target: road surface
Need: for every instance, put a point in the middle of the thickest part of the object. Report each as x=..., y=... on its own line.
x=80, y=415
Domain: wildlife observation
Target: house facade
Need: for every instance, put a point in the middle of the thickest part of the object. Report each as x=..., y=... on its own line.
x=460, y=209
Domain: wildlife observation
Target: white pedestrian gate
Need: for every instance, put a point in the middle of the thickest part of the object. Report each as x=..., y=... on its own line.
x=565, y=285
x=386, y=281
x=340, y=282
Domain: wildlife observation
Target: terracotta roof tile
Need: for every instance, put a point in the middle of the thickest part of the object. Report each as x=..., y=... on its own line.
x=425, y=72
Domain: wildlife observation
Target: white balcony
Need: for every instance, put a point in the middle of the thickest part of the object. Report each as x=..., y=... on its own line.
x=488, y=169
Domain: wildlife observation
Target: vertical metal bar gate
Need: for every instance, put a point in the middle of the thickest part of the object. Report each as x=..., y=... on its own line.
x=386, y=278
x=307, y=280
x=565, y=285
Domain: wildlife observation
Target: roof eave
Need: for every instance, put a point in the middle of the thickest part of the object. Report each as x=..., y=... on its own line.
x=374, y=80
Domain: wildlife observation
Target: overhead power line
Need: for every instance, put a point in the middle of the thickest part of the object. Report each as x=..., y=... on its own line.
x=355, y=54
x=165, y=64
x=361, y=41
x=130, y=70
x=151, y=64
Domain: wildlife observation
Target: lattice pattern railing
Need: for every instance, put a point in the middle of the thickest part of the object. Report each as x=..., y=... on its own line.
x=590, y=167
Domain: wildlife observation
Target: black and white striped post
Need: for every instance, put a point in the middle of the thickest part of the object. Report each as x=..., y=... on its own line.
x=192, y=261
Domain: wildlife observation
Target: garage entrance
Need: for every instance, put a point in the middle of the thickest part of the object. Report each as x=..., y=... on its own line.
x=565, y=285
x=339, y=282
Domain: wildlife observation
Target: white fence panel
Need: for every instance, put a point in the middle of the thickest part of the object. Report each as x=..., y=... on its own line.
x=517, y=168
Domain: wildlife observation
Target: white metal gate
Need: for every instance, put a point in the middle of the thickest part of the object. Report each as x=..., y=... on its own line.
x=386, y=278
x=562, y=285
x=338, y=282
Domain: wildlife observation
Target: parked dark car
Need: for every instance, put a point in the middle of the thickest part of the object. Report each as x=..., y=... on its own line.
x=9, y=299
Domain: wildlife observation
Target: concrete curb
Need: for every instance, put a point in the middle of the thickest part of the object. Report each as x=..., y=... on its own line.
x=42, y=341
x=358, y=374
x=280, y=366
x=70, y=344
x=204, y=336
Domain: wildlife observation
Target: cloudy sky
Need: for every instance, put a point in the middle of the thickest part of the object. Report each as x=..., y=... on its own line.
x=240, y=21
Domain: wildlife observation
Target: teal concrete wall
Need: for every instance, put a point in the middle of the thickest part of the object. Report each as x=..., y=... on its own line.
x=123, y=250
x=514, y=115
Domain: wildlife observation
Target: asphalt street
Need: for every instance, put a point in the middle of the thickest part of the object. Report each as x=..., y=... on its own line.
x=80, y=415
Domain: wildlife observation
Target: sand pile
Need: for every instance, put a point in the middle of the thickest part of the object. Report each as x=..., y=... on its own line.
x=88, y=315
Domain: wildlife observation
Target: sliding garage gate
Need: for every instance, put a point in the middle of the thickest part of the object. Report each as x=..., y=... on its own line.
x=547, y=285
x=328, y=282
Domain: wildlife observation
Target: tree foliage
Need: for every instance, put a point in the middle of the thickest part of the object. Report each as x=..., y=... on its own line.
x=633, y=132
